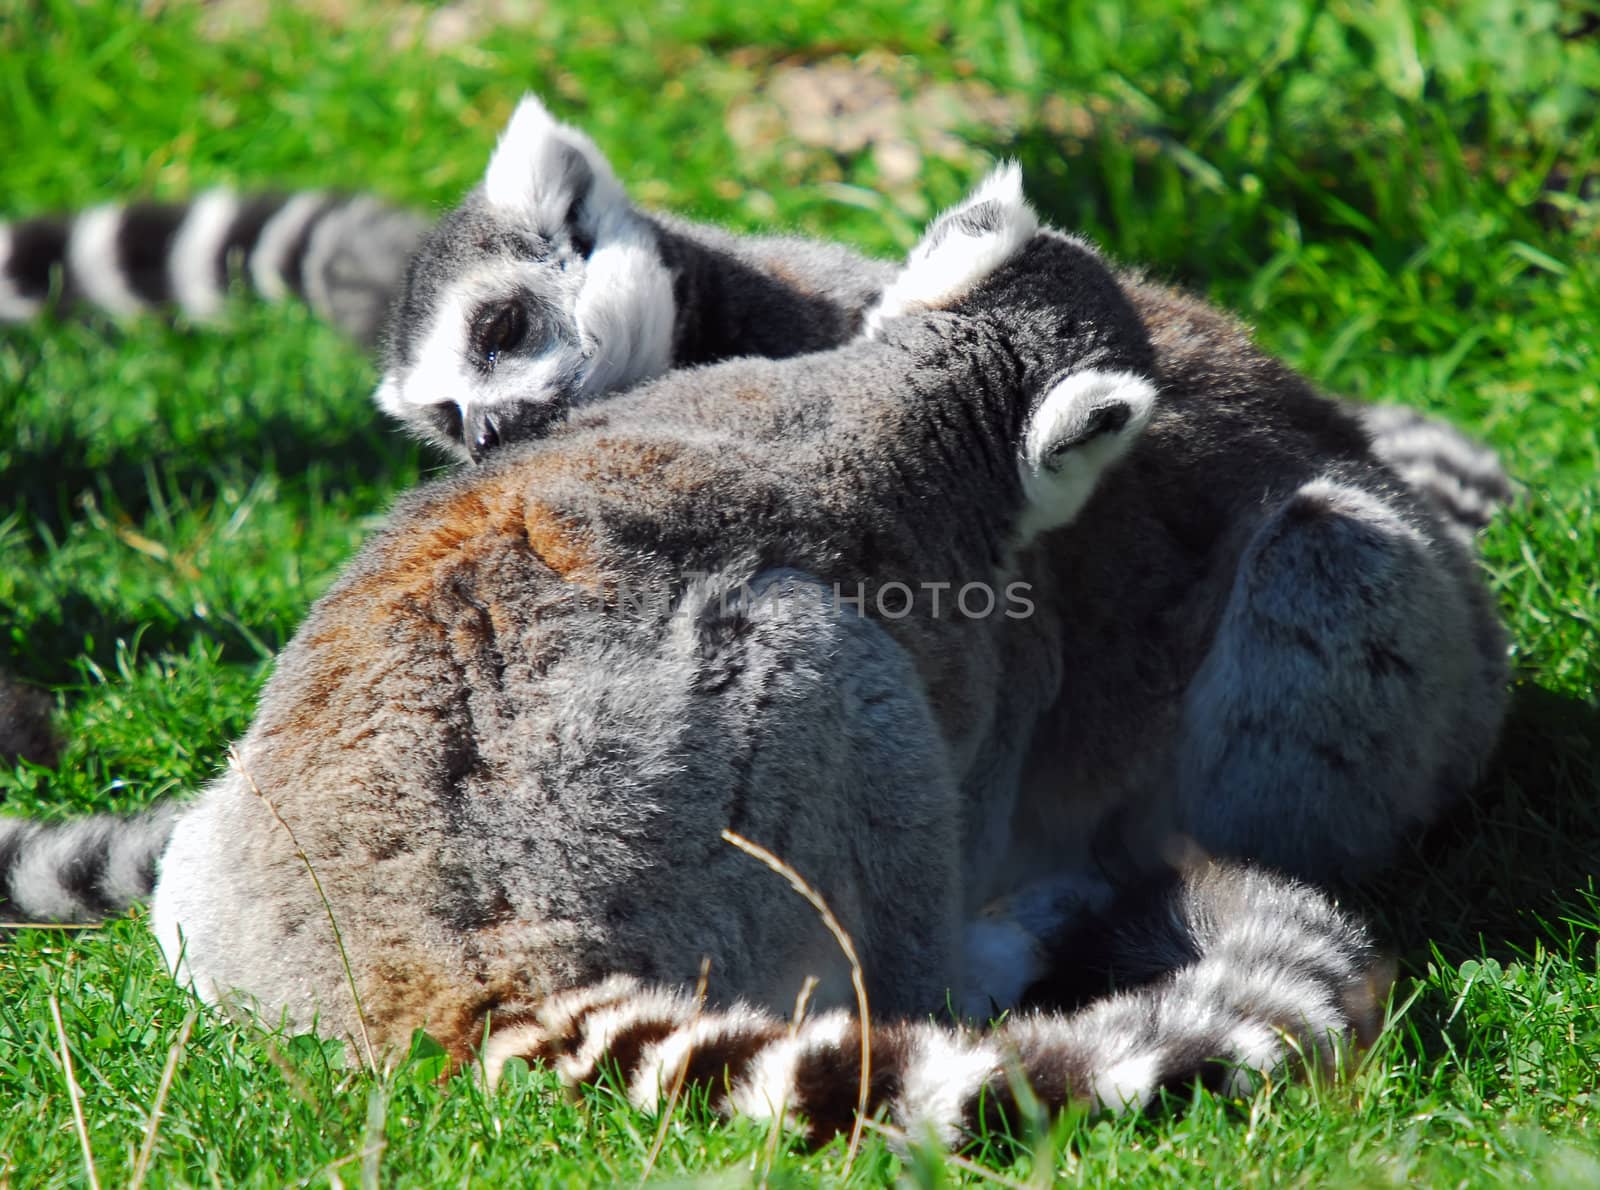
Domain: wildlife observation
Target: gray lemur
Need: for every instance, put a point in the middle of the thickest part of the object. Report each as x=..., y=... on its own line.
x=508, y=740
x=547, y=288
x=1291, y=641
x=1287, y=655
x=1274, y=645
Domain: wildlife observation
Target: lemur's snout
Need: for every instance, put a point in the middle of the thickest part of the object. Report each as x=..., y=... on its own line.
x=480, y=431
x=486, y=428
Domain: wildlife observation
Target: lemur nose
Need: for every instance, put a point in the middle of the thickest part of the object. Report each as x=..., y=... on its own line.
x=481, y=435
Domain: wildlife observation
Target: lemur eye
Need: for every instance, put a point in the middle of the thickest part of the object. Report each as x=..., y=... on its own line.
x=498, y=329
x=582, y=243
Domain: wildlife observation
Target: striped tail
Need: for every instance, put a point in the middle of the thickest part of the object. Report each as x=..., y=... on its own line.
x=1462, y=478
x=346, y=257
x=1282, y=979
x=84, y=869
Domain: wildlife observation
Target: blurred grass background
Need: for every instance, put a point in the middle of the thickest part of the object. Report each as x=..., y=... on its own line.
x=1403, y=198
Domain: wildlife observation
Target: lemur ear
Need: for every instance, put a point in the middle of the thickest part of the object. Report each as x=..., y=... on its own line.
x=1084, y=425
x=543, y=172
x=961, y=247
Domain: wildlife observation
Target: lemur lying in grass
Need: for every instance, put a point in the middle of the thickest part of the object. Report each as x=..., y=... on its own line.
x=1247, y=629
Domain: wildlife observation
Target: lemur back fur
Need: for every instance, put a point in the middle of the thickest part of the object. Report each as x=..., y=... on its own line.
x=1306, y=612
x=1302, y=663
x=509, y=761
x=1260, y=635
x=702, y=293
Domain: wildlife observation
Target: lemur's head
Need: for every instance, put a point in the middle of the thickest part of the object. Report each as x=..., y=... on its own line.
x=1079, y=353
x=543, y=288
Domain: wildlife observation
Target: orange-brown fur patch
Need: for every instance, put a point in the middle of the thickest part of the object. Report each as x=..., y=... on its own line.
x=464, y=528
x=407, y=991
x=561, y=545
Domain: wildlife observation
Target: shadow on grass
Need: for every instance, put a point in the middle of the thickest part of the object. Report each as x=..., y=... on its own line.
x=49, y=472
x=1499, y=873
x=46, y=482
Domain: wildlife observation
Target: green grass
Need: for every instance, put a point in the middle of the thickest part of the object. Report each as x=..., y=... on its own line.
x=1391, y=193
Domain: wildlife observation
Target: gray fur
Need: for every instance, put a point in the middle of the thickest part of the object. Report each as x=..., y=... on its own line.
x=718, y=296
x=1318, y=760
x=1142, y=704
x=1387, y=716
x=1286, y=653
x=772, y=296
x=1461, y=477
x=510, y=775
x=26, y=730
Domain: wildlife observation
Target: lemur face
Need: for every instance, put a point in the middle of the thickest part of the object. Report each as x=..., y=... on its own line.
x=544, y=288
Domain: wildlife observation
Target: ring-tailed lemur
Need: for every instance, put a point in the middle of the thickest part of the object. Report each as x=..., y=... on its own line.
x=509, y=739
x=1399, y=539
x=547, y=278
x=1252, y=478
x=545, y=287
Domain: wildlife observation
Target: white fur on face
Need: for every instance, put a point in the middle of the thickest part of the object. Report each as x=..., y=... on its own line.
x=619, y=300
x=944, y=267
x=1064, y=454
x=444, y=370
x=625, y=312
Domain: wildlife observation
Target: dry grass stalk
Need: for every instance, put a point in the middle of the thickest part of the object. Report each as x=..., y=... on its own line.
x=141, y=1166
x=338, y=938
x=857, y=978
x=74, y=1094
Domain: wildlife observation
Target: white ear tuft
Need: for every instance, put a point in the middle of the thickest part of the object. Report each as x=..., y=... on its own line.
x=1004, y=186
x=1084, y=425
x=528, y=150
x=961, y=247
x=543, y=170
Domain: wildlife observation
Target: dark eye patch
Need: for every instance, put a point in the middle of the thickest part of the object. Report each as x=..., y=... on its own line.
x=498, y=328
x=446, y=419
x=582, y=242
